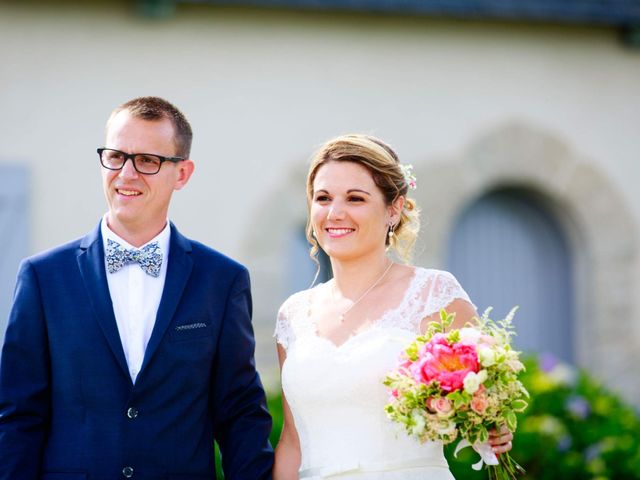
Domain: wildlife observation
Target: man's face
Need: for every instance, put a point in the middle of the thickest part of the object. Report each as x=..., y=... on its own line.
x=139, y=204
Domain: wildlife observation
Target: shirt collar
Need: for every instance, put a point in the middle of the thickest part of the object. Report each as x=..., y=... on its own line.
x=162, y=238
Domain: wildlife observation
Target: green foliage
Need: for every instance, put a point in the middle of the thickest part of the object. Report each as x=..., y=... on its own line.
x=573, y=428
x=274, y=403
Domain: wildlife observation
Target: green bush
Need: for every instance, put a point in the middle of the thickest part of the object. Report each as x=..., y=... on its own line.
x=574, y=428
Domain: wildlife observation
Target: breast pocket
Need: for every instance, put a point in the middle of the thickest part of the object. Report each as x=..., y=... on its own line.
x=191, y=330
x=189, y=348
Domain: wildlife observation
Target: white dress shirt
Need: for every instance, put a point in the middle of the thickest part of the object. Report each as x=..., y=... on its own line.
x=135, y=296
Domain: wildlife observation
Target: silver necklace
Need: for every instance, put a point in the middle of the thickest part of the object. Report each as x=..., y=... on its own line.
x=342, y=315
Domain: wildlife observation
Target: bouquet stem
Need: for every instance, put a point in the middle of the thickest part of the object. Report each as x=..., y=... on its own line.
x=507, y=469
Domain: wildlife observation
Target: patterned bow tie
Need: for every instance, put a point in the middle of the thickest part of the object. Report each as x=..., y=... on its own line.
x=149, y=257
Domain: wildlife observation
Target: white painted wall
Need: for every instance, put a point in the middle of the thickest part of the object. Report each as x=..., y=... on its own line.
x=264, y=88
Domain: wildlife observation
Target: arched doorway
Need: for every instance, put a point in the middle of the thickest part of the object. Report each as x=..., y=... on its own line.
x=507, y=249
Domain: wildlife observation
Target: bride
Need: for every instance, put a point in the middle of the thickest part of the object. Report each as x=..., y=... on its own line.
x=336, y=341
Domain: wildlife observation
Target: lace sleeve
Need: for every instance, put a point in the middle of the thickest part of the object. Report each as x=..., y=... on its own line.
x=292, y=319
x=283, y=333
x=443, y=289
x=428, y=292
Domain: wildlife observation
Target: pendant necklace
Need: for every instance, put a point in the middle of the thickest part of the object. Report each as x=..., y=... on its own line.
x=384, y=274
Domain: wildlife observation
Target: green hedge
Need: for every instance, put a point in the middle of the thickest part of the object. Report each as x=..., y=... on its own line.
x=574, y=428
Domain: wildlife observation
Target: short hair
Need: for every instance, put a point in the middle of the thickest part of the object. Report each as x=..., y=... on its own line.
x=384, y=166
x=156, y=108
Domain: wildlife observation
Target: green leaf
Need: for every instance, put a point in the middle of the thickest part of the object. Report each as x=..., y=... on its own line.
x=512, y=421
x=483, y=434
x=519, y=405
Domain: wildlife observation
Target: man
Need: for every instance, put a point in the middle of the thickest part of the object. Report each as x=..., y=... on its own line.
x=128, y=351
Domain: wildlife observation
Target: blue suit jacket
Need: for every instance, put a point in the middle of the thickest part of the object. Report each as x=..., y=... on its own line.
x=68, y=408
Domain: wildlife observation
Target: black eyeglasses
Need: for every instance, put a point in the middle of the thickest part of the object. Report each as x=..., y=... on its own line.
x=145, y=163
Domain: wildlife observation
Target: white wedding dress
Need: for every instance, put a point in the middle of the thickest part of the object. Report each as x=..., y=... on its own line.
x=336, y=393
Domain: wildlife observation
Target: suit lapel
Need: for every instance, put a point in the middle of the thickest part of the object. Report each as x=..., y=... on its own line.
x=92, y=269
x=178, y=272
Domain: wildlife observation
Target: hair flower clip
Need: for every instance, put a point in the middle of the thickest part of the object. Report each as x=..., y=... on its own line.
x=409, y=177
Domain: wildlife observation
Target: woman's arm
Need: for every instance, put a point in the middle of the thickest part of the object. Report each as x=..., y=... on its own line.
x=288, y=456
x=464, y=311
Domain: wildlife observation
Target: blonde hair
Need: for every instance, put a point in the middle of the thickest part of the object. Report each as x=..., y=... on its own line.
x=384, y=166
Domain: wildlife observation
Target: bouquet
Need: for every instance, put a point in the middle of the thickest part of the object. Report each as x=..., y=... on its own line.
x=460, y=384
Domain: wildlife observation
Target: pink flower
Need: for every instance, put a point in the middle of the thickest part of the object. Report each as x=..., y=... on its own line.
x=479, y=402
x=440, y=405
x=405, y=362
x=446, y=363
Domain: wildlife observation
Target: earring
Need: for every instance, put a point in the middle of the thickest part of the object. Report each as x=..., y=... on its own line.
x=391, y=232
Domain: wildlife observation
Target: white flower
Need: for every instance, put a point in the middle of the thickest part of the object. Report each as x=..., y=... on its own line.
x=418, y=423
x=473, y=380
x=515, y=365
x=446, y=427
x=409, y=177
x=486, y=356
x=470, y=334
x=500, y=353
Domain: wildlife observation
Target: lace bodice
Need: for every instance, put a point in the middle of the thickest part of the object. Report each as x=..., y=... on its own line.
x=429, y=291
x=336, y=394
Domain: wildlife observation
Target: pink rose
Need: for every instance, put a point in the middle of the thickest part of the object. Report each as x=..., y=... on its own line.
x=446, y=363
x=405, y=364
x=479, y=403
x=440, y=405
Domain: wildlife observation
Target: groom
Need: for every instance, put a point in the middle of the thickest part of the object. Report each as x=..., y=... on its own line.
x=129, y=350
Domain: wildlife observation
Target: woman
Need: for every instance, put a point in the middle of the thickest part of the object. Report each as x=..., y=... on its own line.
x=337, y=340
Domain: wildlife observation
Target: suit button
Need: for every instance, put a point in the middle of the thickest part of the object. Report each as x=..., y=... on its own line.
x=127, y=472
x=132, y=412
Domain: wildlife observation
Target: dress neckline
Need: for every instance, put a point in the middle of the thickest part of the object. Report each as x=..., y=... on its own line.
x=313, y=326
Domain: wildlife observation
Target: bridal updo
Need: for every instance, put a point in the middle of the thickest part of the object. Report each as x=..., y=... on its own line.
x=385, y=168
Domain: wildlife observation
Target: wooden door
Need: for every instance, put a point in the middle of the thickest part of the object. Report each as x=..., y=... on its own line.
x=507, y=249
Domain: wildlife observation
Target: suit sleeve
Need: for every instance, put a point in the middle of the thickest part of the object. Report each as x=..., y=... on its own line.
x=24, y=382
x=243, y=423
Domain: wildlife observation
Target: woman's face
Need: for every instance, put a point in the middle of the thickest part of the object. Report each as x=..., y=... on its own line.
x=348, y=212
